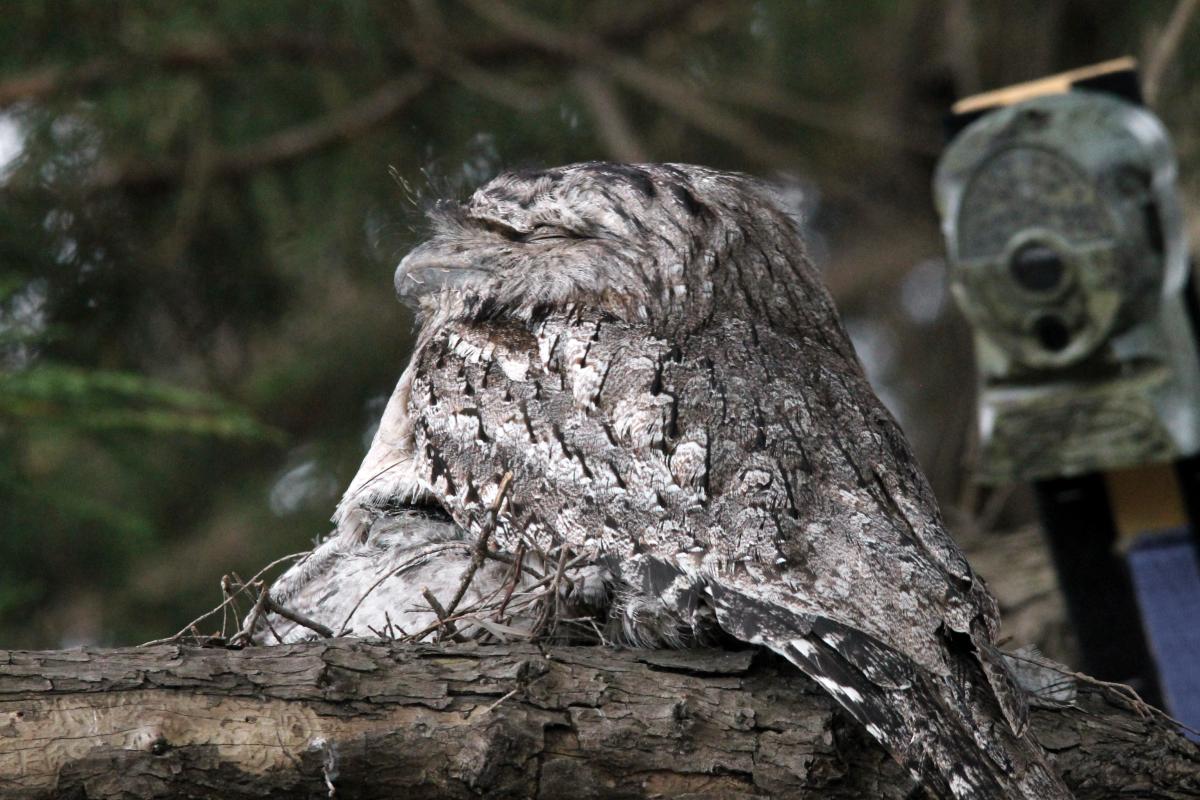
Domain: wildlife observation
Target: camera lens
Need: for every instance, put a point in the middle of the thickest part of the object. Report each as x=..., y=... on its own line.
x=1036, y=267
x=1052, y=332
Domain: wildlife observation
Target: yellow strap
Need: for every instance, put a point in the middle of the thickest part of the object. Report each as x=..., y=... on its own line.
x=1052, y=84
x=1145, y=499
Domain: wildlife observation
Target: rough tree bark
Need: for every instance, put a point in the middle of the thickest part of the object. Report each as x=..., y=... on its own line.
x=348, y=718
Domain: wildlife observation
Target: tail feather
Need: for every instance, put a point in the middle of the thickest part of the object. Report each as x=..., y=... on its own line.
x=951, y=731
x=948, y=731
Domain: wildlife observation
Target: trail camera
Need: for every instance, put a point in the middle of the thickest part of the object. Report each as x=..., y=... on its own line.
x=1068, y=257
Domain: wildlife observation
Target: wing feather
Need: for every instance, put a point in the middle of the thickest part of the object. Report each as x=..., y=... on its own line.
x=708, y=451
x=942, y=728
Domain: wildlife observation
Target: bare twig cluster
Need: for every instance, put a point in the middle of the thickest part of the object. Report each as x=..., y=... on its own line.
x=599, y=66
x=529, y=604
x=1118, y=692
x=526, y=606
x=233, y=589
x=265, y=605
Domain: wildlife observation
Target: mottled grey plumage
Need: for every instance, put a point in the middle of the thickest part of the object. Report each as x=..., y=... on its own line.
x=649, y=353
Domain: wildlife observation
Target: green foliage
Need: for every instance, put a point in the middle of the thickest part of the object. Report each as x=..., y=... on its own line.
x=56, y=396
x=59, y=425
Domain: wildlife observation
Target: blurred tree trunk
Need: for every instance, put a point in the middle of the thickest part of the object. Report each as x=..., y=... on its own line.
x=343, y=718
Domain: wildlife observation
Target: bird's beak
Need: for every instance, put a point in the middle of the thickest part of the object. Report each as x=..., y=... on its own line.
x=430, y=269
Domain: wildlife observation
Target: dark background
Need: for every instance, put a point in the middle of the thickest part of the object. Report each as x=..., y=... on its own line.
x=202, y=203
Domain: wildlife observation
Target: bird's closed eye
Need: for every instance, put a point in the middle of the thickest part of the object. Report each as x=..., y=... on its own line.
x=543, y=232
x=539, y=233
x=506, y=231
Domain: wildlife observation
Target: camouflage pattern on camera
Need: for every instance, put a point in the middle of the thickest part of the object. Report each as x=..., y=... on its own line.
x=1069, y=259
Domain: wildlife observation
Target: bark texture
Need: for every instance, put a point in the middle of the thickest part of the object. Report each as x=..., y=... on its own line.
x=348, y=718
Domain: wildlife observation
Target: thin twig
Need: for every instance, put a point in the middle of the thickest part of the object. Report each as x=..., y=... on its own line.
x=263, y=606
x=298, y=618
x=226, y=590
x=1164, y=52
x=518, y=568
x=550, y=609
x=225, y=603
x=246, y=634
x=1127, y=693
x=427, y=43
x=674, y=94
x=612, y=124
x=467, y=614
x=481, y=545
x=505, y=558
x=343, y=629
x=506, y=695
x=574, y=562
x=826, y=117
x=391, y=628
x=589, y=625
x=447, y=629
x=670, y=93
x=282, y=147
x=239, y=586
x=271, y=628
x=188, y=54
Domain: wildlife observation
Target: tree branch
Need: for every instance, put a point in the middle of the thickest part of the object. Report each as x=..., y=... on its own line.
x=191, y=53
x=1166, y=48
x=364, y=719
x=207, y=52
x=669, y=93
x=288, y=145
x=612, y=125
